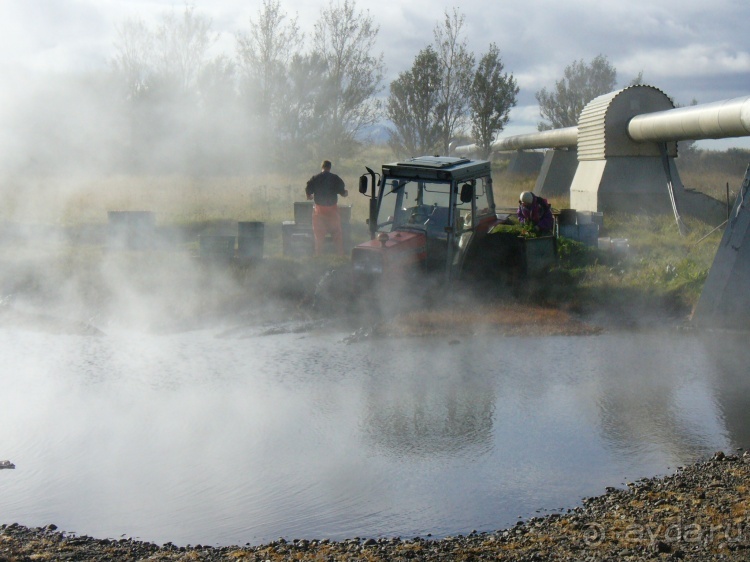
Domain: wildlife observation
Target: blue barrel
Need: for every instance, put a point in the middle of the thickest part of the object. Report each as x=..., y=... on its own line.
x=568, y=231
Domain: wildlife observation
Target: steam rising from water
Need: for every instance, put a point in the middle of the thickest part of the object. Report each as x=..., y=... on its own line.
x=223, y=440
x=219, y=436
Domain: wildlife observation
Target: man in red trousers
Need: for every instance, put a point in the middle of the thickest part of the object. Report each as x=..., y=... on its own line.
x=324, y=189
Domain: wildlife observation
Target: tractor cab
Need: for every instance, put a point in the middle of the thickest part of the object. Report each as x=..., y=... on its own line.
x=424, y=212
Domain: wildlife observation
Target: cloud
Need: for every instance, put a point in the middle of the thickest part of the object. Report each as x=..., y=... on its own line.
x=700, y=59
x=53, y=36
x=673, y=42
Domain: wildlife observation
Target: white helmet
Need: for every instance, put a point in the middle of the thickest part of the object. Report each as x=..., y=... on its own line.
x=526, y=197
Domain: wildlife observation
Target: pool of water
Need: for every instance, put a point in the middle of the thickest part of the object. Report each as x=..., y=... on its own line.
x=220, y=438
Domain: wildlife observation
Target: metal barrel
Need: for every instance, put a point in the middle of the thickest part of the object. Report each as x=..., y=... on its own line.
x=250, y=236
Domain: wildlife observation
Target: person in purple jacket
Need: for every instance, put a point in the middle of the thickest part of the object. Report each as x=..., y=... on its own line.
x=537, y=211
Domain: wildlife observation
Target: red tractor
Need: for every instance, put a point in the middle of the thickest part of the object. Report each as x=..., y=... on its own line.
x=437, y=214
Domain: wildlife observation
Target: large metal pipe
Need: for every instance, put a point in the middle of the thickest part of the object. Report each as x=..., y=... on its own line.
x=722, y=119
x=554, y=138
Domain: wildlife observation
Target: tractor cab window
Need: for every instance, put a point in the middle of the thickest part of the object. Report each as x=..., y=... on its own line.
x=482, y=198
x=392, y=212
x=464, y=206
x=415, y=204
x=474, y=203
x=436, y=202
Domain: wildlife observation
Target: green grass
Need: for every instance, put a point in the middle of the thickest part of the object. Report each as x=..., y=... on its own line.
x=661, y=272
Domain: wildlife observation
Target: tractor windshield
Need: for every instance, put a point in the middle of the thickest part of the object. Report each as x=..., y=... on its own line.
x=415, y=204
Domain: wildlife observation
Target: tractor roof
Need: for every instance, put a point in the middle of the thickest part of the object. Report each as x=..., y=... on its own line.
x=441, y=168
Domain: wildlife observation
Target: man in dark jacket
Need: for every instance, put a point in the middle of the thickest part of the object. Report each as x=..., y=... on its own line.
x=324, y=189
x=535, y=210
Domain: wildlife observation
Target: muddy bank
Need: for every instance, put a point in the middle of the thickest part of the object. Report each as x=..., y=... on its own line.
x=91, y=290
x=95, y=294
x=701, y=512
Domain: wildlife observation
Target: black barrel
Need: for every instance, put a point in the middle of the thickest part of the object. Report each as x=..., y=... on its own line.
x=303, y=211
x=250, y=240
x=566, y=217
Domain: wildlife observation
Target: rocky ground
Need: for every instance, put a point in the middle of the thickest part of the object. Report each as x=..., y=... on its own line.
x=701, y=512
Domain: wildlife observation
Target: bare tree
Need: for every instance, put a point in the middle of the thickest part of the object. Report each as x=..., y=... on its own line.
x=457, y=67
x=265, y=52
x=413, y=106
x=170, y=57
x=220, y=124
x=174, y=86
x=182, y=45
x=493, y=94
x=580, y=84
x=133, y=58
x=299, y=123
x=345, y=38
x=637, y=79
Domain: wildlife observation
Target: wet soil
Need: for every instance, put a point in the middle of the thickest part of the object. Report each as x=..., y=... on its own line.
x=700, y=512
x=89, y=291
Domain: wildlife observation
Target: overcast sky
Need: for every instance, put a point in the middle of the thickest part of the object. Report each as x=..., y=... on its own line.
x=691, y=49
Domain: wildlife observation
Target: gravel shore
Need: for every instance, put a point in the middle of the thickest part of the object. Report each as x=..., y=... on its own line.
x=701, y=512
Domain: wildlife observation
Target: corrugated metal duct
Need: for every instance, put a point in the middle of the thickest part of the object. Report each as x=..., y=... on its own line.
x=603, y=124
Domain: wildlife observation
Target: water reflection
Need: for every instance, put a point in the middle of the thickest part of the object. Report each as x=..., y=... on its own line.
x=193, y=438
x=655, y=396
x=728, y=357
x=437, y=403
